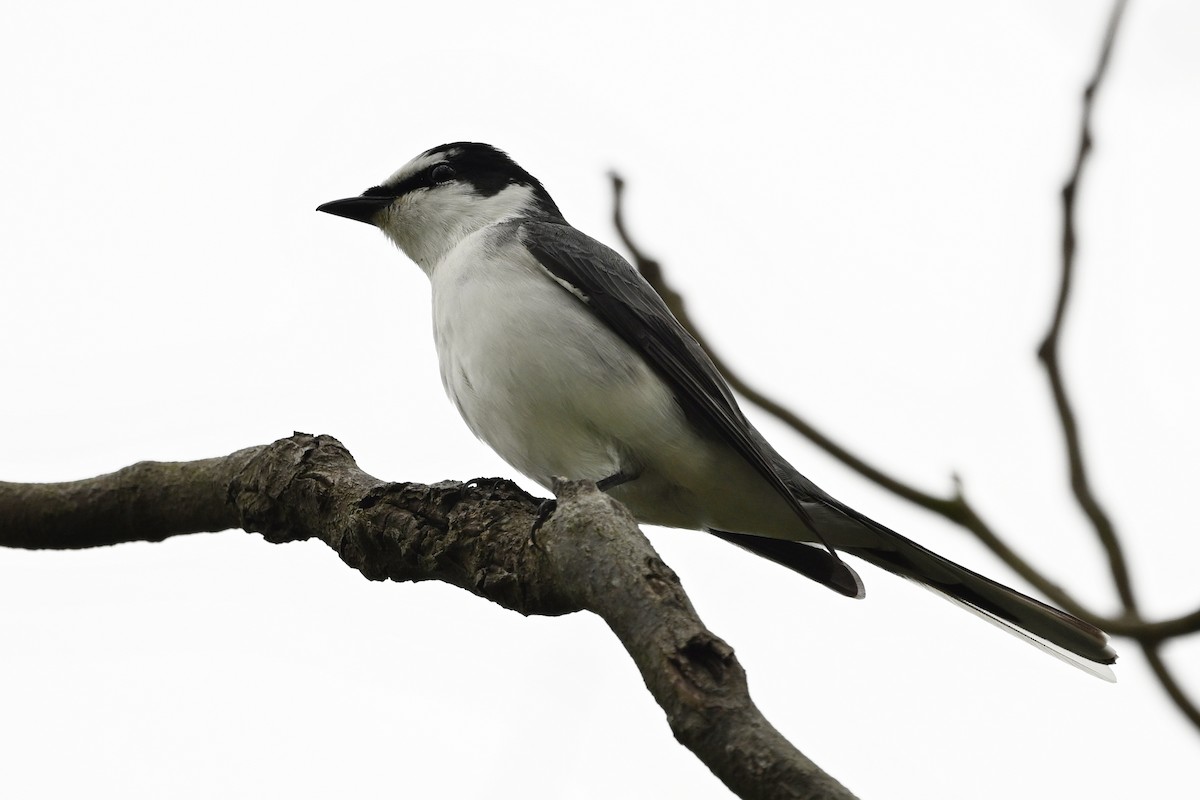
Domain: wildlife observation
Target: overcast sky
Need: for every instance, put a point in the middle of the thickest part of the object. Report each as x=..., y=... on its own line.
x=860, y=202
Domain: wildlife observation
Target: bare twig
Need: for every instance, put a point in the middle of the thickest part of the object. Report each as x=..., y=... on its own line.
x=591, y=556
x=1049, y=349
x=652, y=271
x=954, y=508
x=1153, y=655
x=1048, y=353
x=1152, y=632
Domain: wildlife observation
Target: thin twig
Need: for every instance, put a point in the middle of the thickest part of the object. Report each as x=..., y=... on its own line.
x=954, y=508
x=1048, y=352
x=1153, y=654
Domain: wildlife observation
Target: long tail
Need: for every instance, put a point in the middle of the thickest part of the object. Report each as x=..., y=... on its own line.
x=1067, y=637
x=1071, y=639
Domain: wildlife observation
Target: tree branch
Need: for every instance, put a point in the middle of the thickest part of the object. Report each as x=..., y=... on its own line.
x=590, y=556
x=1048, y=351
x=1048, y=354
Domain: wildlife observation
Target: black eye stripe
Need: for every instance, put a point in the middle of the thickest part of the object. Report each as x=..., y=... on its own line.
x=426, y=178
x=478, y=168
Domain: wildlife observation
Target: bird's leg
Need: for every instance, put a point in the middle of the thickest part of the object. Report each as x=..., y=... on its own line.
x=615, y=480
x=547, y=507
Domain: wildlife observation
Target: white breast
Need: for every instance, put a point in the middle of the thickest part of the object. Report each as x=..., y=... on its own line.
x=533, y=373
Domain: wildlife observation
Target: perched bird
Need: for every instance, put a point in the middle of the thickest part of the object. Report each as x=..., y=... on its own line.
x=559, y=355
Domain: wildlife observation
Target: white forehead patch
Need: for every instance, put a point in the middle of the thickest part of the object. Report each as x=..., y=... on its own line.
x=421, y=162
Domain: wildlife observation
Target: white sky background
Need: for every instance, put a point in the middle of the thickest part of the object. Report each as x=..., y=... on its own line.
x=861, y=204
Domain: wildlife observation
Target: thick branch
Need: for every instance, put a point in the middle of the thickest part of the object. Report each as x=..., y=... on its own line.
x=590, y=556
x=149, y=501
x=693, y=674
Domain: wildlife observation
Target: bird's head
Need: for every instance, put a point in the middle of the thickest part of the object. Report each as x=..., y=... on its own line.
x=427, y=206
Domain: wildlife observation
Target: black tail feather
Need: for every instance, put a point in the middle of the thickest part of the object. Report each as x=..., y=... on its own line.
x=1085, y=645
x=908, y=559
x=809, y=560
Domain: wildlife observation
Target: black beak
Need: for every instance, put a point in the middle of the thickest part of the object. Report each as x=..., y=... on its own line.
x=362, y=208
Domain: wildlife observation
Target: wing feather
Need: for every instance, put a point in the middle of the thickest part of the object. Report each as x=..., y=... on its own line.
x=617, y=294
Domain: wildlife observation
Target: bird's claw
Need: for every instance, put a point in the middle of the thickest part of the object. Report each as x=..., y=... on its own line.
x=545, y=510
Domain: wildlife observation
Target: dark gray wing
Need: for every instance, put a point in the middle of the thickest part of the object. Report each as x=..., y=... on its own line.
x=619, y=296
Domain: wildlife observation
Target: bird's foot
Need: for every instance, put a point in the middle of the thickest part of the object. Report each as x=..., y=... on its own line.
x=545, y=510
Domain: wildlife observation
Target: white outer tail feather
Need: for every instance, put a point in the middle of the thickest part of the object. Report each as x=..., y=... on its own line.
x=1102, y=671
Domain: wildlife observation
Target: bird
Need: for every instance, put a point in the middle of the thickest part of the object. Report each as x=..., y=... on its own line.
x=560, y=356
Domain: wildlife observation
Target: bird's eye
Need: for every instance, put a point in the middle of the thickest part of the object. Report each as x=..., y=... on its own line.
x=442, y=173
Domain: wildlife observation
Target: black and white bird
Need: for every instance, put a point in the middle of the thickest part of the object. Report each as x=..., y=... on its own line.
x=559, y=355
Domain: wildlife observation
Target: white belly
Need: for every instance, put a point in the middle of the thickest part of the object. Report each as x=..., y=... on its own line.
x=559, y=395
x=534, y=375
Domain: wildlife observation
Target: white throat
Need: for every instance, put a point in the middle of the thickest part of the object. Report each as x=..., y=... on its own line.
x=427, y=224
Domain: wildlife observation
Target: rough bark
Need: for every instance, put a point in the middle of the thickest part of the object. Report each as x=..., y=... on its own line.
x=589, y=555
